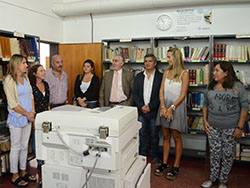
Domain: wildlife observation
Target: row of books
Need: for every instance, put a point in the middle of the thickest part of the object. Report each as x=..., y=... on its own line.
x=220, y=52
x=199, y=76
x=243, y=76
x=195, y=124
x=232, y=53
x=242, y=152
x=246, y=127
x=188, y=53
x=132, y=53
x=11, y=46
x=195, y=100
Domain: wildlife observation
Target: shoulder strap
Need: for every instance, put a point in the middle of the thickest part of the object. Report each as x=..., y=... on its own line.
x=181, y=74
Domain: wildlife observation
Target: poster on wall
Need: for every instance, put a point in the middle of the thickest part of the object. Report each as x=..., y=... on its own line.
x=193, y=20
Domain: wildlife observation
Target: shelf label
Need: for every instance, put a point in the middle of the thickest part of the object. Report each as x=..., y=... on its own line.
x=125, y=39
x=139, y=61
x=242, y=61
x=246, y=35
x=5, y=59
x=18, y=34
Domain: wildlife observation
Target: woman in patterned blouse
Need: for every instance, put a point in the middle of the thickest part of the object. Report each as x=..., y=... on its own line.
x=41, y=95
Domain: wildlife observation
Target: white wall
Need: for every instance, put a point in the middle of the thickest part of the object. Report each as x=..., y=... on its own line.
x=227, y=19
x=32, y=17
x=35, y=17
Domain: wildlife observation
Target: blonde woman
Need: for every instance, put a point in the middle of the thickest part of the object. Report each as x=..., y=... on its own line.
x=21, y=113
x=172, y=112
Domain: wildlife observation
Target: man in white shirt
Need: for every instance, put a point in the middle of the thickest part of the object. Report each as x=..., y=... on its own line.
x=146, y=98
x=117, y=85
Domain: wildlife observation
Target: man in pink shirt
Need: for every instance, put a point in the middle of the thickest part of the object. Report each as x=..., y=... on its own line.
x=117, y=85
x=58, y=82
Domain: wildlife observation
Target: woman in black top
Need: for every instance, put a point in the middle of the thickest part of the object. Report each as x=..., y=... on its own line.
x=40, y=88
x=87, y=86
x=41, y=95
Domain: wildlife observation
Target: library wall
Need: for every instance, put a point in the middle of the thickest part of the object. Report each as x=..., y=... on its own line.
x=227, y=19
x=31, y=17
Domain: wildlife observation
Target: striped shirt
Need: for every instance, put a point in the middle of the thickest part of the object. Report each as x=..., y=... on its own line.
x=58, y=87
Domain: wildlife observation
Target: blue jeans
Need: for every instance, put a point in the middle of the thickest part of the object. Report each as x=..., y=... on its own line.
x=148, y=128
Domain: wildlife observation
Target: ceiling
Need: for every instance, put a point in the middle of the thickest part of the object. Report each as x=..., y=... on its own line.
x=67, y=8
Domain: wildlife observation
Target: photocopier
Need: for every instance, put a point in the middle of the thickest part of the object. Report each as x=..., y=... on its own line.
x=92, y=148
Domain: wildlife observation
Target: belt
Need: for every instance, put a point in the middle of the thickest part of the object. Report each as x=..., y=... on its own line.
x=116, y=102
x=56, y=105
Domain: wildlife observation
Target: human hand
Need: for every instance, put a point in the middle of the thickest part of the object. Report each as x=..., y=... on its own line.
x=163, y=112
x=145, y=109
x=169, y=114
x=31, y=117
x=237, y=133
x=83, y=104
x=207, y=127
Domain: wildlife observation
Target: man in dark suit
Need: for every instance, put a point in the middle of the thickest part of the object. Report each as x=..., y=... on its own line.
x=117, y=85
x=146, y=98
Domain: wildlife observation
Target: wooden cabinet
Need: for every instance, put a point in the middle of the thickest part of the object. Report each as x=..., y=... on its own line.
x=73, y=57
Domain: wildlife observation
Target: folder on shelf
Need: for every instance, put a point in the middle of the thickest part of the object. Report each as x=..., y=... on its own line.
x=5, y=45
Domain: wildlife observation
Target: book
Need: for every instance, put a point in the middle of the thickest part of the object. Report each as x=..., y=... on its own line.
x=206, y=74
x=1, y=54
x=245, y=148
x=237, y=151
x=14, y=46
x=1, y=72
x=23, y=48
x=245, y=154
x=205, y=54
x=245, y=158
x=5, y=45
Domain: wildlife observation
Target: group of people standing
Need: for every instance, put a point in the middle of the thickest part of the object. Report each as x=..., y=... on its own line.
x=159, y=98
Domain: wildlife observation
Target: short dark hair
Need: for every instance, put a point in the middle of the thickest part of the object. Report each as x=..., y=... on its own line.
x=150, y=55
x=229, y=80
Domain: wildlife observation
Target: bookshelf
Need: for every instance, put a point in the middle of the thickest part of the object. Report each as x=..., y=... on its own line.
x=133, y=50
x=233, y=48
x=193, y=48
x=12, y=43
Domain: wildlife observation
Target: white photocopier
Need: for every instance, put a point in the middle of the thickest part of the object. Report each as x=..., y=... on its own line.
x=92, y=148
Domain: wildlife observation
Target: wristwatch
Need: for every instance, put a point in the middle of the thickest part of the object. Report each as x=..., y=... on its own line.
x=173, y=107
x=240, y=128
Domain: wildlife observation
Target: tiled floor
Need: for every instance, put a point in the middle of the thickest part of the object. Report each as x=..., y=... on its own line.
x=193, y=172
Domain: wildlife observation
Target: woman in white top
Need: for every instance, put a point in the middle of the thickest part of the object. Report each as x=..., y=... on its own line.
x=173, y=113
x=87, y=86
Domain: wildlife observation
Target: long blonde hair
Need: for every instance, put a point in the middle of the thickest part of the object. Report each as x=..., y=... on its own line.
x=178, y=64
x=15, y=60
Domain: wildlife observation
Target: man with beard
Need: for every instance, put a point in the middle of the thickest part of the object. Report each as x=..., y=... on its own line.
x=58, y=82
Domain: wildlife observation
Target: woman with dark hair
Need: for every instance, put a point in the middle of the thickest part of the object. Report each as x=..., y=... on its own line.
x=41, y=96
x=40, y=88
x=224, y=114
x=87, y=86
x=21, y=114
